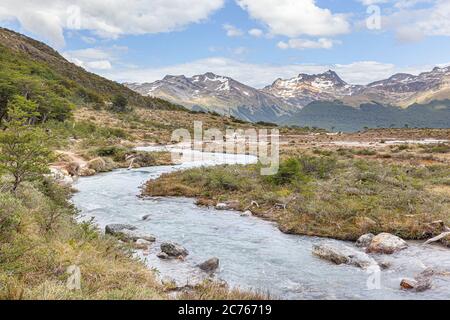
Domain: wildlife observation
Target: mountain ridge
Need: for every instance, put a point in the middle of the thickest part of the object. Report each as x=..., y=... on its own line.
x=211, y=92
x=400, y=90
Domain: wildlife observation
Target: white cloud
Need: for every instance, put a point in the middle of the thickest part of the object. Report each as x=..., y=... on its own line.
x=99, y=65
x=300, y=44
x=106, y=18
x=256, y=33
x=232, y=31
x=370, y=2
x=413, y=20
x=293, y=18
x=95, y=59
x=260, y=75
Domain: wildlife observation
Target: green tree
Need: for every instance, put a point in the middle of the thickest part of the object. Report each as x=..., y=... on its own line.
x=24, y=153
x=120, y=103
x=6, y=93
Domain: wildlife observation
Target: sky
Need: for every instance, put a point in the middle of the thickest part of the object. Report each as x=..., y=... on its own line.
x=252, y=41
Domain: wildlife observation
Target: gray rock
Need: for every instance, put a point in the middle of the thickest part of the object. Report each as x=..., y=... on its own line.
x=210, y=265
x=408, y=284
x=386, y=243
x=342, y=254
x=128, y=233
x=421, y=283
x=222, y=206
x=112, y=229
x=247, y=213
x=146, y=217
x=163, y=256
x=385, y=264
x=365, y=240
x=174, y=250
x=135, y=235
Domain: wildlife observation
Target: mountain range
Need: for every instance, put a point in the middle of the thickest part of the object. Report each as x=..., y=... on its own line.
x=286, y=98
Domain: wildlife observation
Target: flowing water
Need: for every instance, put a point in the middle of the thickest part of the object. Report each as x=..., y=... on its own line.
x=253, y=253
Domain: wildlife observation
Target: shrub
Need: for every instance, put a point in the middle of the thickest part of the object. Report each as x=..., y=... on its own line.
x=119, y=103
x=318, y=167
x=110, y=151
x=10, y=215
x=289, y=171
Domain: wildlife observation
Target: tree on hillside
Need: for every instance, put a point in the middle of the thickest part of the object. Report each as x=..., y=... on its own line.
x=6, y=93
x=120, y=103
x=23, y=147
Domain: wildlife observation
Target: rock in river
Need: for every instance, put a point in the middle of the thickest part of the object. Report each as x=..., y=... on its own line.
x=342, y=254
x=112, y=229
x=365, y=240
x=210, y=265
x=163, y=256
x=128, y=233
x=421, y=283
x=174, y=250
x=386, y=243
x=247, y=213
x=222, y=206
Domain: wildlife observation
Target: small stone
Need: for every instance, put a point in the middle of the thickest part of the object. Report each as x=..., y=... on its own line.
x=385, y=264
x=408, y=284
x=210, y=265
x=146, y=217
x=222, y=206
x=365, y=240
x=247, y=213
x=163, y=256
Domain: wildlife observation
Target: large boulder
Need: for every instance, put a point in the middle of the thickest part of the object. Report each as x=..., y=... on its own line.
x=365, y=240
x=386, y=243
x=342, y=254
x=210, y=265
x=174, y=250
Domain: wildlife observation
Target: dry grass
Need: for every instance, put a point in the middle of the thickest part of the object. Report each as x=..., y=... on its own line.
x=342, y=201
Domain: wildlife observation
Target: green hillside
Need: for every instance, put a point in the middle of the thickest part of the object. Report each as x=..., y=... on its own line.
x=32, y=69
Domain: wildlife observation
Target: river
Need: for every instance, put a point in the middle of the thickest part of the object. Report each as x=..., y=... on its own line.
x=253, y=253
